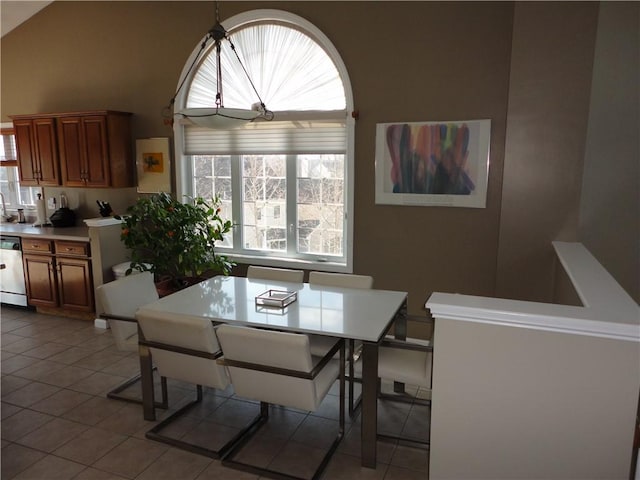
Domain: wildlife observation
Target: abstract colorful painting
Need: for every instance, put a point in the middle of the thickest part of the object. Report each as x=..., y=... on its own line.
x=433, y=163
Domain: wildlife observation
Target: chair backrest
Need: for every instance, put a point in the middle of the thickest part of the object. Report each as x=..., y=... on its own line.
x=277, y=274
x=122, y=298
x=192, y=336
x=280, y=350
x=346, y=280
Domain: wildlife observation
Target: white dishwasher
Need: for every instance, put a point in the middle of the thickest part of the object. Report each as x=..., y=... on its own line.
x=12, y=288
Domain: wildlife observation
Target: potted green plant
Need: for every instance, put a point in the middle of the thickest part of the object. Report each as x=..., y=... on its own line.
x=175, y=240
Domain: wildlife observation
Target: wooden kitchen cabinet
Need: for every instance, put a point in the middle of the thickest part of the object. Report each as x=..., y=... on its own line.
x=95, y=149
x=39, y=272
x=36, y=143
x=76, y=149
x=58, y=274
x=75, y=287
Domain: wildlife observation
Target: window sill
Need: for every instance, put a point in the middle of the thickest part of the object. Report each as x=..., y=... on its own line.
x=288, y=263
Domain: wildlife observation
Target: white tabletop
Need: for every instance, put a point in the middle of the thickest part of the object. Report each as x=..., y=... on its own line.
x=339, y=312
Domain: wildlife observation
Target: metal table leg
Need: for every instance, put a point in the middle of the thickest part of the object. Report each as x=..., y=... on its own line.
x=400, y=333
x=146, y=379
x=369, y=421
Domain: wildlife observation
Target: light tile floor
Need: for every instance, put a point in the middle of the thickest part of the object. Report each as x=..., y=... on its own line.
x=57, y=423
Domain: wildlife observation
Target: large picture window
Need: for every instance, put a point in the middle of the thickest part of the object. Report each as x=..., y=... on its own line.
x=287, y=184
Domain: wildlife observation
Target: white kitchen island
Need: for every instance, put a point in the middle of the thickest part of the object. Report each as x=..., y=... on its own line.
x=533, y=390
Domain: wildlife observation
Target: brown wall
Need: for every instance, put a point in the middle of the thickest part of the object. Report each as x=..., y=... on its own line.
x=610, y=200
x=549, y=90
x=408, y=61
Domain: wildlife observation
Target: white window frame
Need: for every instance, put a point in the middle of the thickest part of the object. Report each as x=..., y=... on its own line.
x=12, y=198
x=184, y=174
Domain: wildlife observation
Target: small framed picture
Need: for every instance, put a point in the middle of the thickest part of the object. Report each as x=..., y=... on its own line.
x=153, y=165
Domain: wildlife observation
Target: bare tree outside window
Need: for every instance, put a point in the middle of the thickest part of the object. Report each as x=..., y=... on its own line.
x=211, y=178
x=320, y=204
x=264, y=188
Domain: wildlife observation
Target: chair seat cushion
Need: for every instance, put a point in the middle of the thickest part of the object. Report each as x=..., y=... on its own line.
x=286, y=391
x=407, y=366
x=281, y=350
x=417, y=341
x=192, y=333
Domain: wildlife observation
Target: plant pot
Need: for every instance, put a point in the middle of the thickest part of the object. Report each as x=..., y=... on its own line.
x=167, y=285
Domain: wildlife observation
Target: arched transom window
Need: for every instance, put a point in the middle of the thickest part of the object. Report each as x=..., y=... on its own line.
x=287, y=184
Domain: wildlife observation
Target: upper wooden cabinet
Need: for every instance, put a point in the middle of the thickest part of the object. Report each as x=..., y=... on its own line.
x=93, y=149
x=38, y=161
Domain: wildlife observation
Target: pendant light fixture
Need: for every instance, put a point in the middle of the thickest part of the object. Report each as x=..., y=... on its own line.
x=218, y=116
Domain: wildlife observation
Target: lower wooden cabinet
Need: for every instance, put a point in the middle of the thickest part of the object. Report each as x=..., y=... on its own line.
x=40, y=277
x=58, y=274
x=75, y=290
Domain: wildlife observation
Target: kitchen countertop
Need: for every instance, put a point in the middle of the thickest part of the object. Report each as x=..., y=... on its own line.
x=27, y=230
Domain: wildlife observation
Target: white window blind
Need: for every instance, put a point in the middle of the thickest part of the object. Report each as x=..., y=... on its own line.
x=283, y=135
x=290, y=70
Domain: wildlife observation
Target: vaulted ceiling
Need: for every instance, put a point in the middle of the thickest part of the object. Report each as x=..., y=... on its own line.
x=13, y=12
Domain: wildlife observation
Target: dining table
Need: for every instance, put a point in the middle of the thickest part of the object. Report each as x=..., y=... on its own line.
x=365, y=315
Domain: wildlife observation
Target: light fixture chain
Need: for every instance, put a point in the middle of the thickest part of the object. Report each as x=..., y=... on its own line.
x=217, y=33
x=195, y=60
x=219, y=98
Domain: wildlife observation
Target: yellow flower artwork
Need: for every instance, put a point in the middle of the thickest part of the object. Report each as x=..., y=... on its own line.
x=153, y=162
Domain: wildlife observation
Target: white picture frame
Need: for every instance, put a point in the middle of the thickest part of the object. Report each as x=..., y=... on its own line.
x=444, y=163
x=153, y=165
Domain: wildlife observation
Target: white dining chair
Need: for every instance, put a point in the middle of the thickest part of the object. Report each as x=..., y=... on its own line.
x=275, y=367
x=275, y=274
x=118, y=302
x=346, y=280
x=319, y=343
x=187, y=350
x=406, y=362
x=409, y=362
